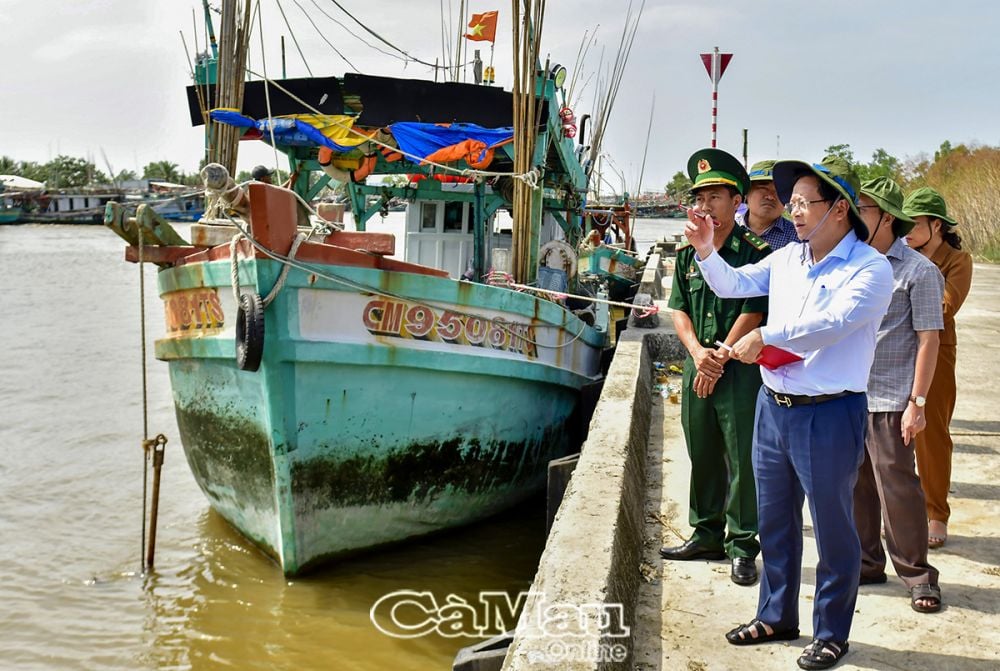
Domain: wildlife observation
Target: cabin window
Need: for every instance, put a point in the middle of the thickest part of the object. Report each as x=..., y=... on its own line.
x=428, y=216
x=453, y=216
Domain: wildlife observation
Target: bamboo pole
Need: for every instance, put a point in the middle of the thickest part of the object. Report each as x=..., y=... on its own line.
x=527, y=40
x=233, y=46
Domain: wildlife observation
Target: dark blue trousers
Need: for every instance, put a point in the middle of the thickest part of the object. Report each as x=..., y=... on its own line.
x=809, y=451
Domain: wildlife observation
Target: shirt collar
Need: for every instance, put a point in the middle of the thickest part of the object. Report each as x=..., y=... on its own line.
x=844, y=247
x=745, y=220
x=941, y=253
x=896, y=249
x=732, y=242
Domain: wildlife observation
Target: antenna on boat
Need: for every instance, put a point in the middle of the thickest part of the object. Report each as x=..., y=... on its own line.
x=603, y=113
x=645, y=150
x=111, y=171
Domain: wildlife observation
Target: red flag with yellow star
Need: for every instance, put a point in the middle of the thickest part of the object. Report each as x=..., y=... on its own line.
x=483, y=27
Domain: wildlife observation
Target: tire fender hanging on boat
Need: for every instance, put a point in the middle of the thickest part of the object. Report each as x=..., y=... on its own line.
x=249, y=331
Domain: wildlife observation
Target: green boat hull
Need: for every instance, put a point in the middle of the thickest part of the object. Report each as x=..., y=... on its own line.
x=351, y=436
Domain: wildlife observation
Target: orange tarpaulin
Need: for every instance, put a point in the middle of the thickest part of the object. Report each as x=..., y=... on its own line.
x=473, y=152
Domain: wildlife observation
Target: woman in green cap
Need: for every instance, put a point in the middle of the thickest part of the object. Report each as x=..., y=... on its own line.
x=935, y=237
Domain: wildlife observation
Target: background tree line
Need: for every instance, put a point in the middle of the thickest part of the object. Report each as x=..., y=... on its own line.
x=68, y=172
x=968, y=176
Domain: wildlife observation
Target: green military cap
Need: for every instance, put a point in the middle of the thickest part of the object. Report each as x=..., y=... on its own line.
x=927, y=202
x=713, y=167
x=889, y=197
x=762, y=171
x=835, y=171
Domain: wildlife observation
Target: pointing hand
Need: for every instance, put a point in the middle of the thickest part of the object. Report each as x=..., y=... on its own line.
x=699, y=232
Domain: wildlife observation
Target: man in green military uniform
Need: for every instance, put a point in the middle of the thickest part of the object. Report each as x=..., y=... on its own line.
x=719, y=395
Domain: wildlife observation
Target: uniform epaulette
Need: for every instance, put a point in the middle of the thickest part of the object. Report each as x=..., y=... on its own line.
x=755, y=241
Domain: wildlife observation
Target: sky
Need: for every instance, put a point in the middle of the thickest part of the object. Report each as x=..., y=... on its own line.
x=96, y=78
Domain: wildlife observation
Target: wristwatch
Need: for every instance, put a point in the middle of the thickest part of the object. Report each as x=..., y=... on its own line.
x=918, y=401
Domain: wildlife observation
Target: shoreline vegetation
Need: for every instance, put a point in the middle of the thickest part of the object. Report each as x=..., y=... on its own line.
x=967, y=175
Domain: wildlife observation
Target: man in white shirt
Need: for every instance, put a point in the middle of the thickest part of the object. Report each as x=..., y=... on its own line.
x=828, y=294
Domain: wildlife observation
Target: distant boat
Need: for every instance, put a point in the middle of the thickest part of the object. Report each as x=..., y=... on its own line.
x=10, y=215
x=184, y=207
x=14, y=192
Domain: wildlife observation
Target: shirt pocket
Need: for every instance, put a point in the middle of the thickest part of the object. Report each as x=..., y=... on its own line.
x=695, y=284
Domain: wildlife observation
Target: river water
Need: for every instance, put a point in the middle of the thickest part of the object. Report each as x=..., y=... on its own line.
x=71, y=477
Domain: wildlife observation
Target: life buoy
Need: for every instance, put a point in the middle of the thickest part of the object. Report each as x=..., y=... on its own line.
x=390, y=155
x=365, y=169
x=565, y=252
x=249, y=331
x=325, y=160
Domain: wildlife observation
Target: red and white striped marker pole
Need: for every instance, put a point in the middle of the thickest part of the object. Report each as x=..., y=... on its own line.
x=715, y=65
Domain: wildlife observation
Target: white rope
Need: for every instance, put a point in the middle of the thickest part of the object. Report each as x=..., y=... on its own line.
x=267, y=91
x=506, y=280
x=530, y=178
x=234, y=270
x=279, y=284
x=234, y=267
x=357, y=286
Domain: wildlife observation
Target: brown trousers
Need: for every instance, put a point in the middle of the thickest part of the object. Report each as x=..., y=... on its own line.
x=888, y=492
x=934, y=444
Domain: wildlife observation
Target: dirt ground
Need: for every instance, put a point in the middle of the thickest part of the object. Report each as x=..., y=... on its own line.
x=686, y=607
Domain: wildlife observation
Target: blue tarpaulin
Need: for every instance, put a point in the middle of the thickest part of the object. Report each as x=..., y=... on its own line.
x=287, y=131
x=414, y=138
x=421, y=139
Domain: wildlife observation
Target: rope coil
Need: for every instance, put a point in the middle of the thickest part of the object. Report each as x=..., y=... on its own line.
x=234, y=269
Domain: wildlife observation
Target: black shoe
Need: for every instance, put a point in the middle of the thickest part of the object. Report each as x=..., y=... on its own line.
x=691, y=550
x=744, y=571
x=754, y=633
x=822, y=654
x=879, y=579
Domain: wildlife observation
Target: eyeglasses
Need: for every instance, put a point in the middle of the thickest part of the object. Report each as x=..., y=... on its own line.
x=802, y=204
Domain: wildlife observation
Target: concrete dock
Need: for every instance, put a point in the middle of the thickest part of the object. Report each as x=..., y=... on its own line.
x=603, y=598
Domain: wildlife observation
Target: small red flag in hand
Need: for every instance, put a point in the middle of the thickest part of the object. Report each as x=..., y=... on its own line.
x=483, y=27
x=772, y=357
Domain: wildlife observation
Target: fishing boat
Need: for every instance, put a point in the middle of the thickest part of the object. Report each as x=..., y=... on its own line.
x=80, y=206
x=331, y=398
x=10, y=215
x=16, y=195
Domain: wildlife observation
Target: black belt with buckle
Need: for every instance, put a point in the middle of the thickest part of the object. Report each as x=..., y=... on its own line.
x=788, y=400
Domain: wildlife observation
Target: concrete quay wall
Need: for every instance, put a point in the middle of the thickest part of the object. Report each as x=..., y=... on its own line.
x=580, y=613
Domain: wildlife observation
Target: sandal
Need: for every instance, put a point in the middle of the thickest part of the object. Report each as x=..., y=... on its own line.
x=937, y=539
x=925, y=592
x=822, y=654
x=754, y=633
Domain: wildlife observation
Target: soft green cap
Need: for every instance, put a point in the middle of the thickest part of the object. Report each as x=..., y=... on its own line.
x=762, y=171
x=835, y=171
x=928, y=203
x=889, y=197
x=713, y=167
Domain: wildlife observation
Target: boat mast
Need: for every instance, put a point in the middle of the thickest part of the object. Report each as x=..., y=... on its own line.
x=527, y=201
x=233, y=44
